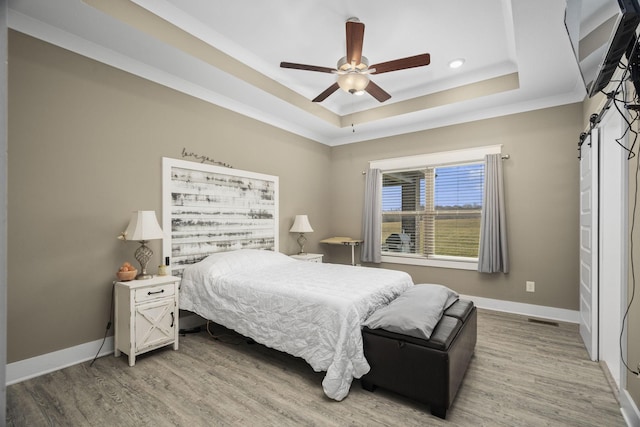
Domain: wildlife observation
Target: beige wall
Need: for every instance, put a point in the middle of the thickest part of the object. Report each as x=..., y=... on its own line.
x=541, y=192
x=85, y=148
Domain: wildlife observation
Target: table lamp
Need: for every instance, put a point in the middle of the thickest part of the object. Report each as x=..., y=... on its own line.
x=143, y=227
x=301, y=225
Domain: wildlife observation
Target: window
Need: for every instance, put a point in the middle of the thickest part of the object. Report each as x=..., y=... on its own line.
x=431, y=209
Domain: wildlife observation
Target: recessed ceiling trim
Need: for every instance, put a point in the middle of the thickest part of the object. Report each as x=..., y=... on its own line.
x=250, y=83
x=58, y=37
x=136, y=15
x=450, y=96
x=510, y=28
x=157, y=27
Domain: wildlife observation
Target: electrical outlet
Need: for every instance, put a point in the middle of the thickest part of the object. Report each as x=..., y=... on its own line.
x=531, y=286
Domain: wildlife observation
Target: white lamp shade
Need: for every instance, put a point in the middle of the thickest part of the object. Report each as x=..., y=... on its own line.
x=301, y=225
x=144, y=226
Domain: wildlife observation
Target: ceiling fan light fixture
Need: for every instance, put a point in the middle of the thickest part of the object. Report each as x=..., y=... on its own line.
x=353, y=82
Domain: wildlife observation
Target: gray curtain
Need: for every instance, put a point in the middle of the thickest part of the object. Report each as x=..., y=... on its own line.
x=493, y=256
x=372, y=217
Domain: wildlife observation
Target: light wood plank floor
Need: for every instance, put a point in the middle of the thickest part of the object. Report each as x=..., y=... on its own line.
x=523, y=374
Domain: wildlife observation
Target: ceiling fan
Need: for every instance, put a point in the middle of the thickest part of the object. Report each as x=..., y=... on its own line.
x=353, y=70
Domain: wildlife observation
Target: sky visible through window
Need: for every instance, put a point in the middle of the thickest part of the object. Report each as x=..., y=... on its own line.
x=455, y=186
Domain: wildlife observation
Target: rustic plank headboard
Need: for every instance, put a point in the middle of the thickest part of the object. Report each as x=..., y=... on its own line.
x=208, y=209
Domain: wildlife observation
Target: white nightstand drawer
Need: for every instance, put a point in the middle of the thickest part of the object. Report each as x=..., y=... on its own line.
x=152, y=292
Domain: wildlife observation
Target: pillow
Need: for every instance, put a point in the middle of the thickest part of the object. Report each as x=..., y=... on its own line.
x=221, y=263
x=244, y=259
x=416, y=312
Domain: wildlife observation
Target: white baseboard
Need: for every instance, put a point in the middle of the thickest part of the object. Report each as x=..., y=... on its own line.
x=629, y=409
x=531, y=310
x=40, y=365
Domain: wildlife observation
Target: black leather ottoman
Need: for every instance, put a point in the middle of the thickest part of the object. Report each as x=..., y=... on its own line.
x=429, y=371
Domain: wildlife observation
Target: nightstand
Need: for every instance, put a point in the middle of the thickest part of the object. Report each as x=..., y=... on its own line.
x=146, y=315
x=308, y=257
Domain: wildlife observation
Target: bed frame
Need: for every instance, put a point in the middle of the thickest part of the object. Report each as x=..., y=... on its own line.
x=209, y=209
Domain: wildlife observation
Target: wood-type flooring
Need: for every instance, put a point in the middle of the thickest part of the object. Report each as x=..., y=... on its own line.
x=523, y=373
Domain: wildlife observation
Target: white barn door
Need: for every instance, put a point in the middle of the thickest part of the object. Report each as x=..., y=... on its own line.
x=613, y=228
x=589, y=243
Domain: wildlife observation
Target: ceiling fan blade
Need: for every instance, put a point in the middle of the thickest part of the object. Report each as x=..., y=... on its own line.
x=355, y=38
x=402, y=64
x=324, y=95
x=306, y=67
x=377, y=92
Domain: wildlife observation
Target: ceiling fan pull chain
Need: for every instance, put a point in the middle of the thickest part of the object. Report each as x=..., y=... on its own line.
x=353, y=111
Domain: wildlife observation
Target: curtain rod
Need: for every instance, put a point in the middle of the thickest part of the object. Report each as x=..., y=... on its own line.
x=504, y=157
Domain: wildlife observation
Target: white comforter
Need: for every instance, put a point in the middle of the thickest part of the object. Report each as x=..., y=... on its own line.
x=310, y=310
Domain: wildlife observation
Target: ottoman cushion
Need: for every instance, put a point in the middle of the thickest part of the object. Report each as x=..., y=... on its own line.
x=415, y=313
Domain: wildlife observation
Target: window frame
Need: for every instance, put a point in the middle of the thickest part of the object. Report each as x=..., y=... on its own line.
x=438, y=159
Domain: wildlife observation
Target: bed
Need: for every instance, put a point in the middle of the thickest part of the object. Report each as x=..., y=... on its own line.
x=310, y=310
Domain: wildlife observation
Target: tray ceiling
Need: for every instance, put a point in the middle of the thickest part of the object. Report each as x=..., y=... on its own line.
x=517, y=56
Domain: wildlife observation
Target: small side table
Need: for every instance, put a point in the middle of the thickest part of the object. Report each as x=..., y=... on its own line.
x=346, y=241
x=308, y=257
x=146, y=315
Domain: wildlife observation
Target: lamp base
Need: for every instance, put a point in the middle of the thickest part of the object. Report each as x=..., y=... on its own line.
x=301, y=241
x=143, y=255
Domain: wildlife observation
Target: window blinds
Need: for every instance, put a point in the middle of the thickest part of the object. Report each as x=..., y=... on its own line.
x=433, y=211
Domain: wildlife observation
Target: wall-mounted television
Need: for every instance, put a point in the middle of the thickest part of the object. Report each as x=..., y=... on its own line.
x=600, y=36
